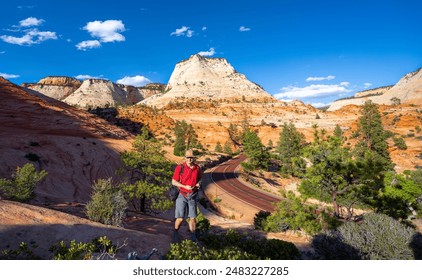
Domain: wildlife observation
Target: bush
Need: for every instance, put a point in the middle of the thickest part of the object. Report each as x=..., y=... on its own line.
x=233, y=246
x=260, y=219
x=292, y=213
x=400, y=143
x=251, y=247
x=377, y=237
x=107, y=205
x=83, y=251
x=21, y=187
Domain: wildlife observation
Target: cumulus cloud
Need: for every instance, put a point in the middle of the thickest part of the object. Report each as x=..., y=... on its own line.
x=182, y=31
x=31, y=21
x=317, y=79
x=243, y=29
x=211, y=52
x=204, y=28
x=367, y=85
x=345, y=84
x=106, y=31
x=9, y=76
x=90, y=44
x=30, y=36
x=86, y=77
x=136, y=81
x=312, y=91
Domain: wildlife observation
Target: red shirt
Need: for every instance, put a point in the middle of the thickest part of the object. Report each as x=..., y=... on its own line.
x=190, y=176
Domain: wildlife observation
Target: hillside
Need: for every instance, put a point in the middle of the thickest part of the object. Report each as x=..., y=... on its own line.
x=407, y=90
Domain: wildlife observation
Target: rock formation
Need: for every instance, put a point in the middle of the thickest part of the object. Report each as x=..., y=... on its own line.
x=407, y=90
x=91, y=92
x=57, y=87
x=207, y=78
x=75, y=147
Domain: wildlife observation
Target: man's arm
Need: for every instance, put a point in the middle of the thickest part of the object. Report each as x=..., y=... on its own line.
x=180, y=185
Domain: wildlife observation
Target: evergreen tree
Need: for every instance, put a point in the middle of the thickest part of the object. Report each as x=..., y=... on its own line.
x=228, y=147
x=333, y=176
x=149, y=174
x=372, y=152
x=290, y=150
x=258, y=156
x=186, y=138
x=373, y=137
x=218, y=148
x=21, y=187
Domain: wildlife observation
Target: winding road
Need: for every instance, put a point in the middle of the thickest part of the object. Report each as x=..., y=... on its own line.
x=226, y=178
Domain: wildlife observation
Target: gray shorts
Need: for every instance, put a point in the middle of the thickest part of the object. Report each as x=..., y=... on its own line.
x=186, y=207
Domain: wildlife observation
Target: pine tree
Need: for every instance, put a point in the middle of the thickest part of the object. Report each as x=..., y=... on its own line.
x=258, y=156
x=373, y=137
x=218, y=148
x=228, y=147
x=290, y=148
x=186, y=138
x=148, y=174
x=333, y=176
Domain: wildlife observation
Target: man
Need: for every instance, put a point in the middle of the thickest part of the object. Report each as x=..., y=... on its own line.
x=186, y=177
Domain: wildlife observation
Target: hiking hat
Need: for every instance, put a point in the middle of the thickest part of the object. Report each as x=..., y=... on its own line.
x=189, y=154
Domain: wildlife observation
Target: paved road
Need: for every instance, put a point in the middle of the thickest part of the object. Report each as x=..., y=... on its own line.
x=224, y=175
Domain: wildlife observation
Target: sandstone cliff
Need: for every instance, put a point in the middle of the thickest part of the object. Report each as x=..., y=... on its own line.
x=91, y=92
x=57, y=87
x=207, y=78
x=75, y=147
x=407, y=90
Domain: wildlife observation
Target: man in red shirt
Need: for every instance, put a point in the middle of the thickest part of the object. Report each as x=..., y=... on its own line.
x=188, y=180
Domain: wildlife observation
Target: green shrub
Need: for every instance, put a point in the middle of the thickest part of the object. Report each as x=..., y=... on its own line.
x=292, y=213
x=400, y=143
x=22, y=253
x=21, y=187
x=377, y=237
x=108, y=204
x=83, y=251
x=260, y=219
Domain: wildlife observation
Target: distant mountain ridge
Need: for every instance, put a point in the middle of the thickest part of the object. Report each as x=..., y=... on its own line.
x=408, y=90
x=92, y=92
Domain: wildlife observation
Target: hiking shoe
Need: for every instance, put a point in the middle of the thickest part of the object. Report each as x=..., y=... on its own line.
x=176, y=236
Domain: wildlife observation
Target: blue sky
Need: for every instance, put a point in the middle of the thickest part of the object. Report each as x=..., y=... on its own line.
x=314, y=51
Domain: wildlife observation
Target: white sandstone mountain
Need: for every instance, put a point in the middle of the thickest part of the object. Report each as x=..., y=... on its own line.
x=57, y=87
x=91, y=92
x=407, y=90
x=207, y=78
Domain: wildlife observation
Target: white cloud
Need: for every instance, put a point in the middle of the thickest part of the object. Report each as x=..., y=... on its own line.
x=204, y=28
x=136, y=81
x=243, y=29
x=367, y=85
x=312, y=91
x=183, y=31
x=31, y=36
x=313, y=79
x=86, y=77
x=90, y=44
x=9, y=76
x=211, y=52
x=345, y=84
x=106, y=31
x=31, y=21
